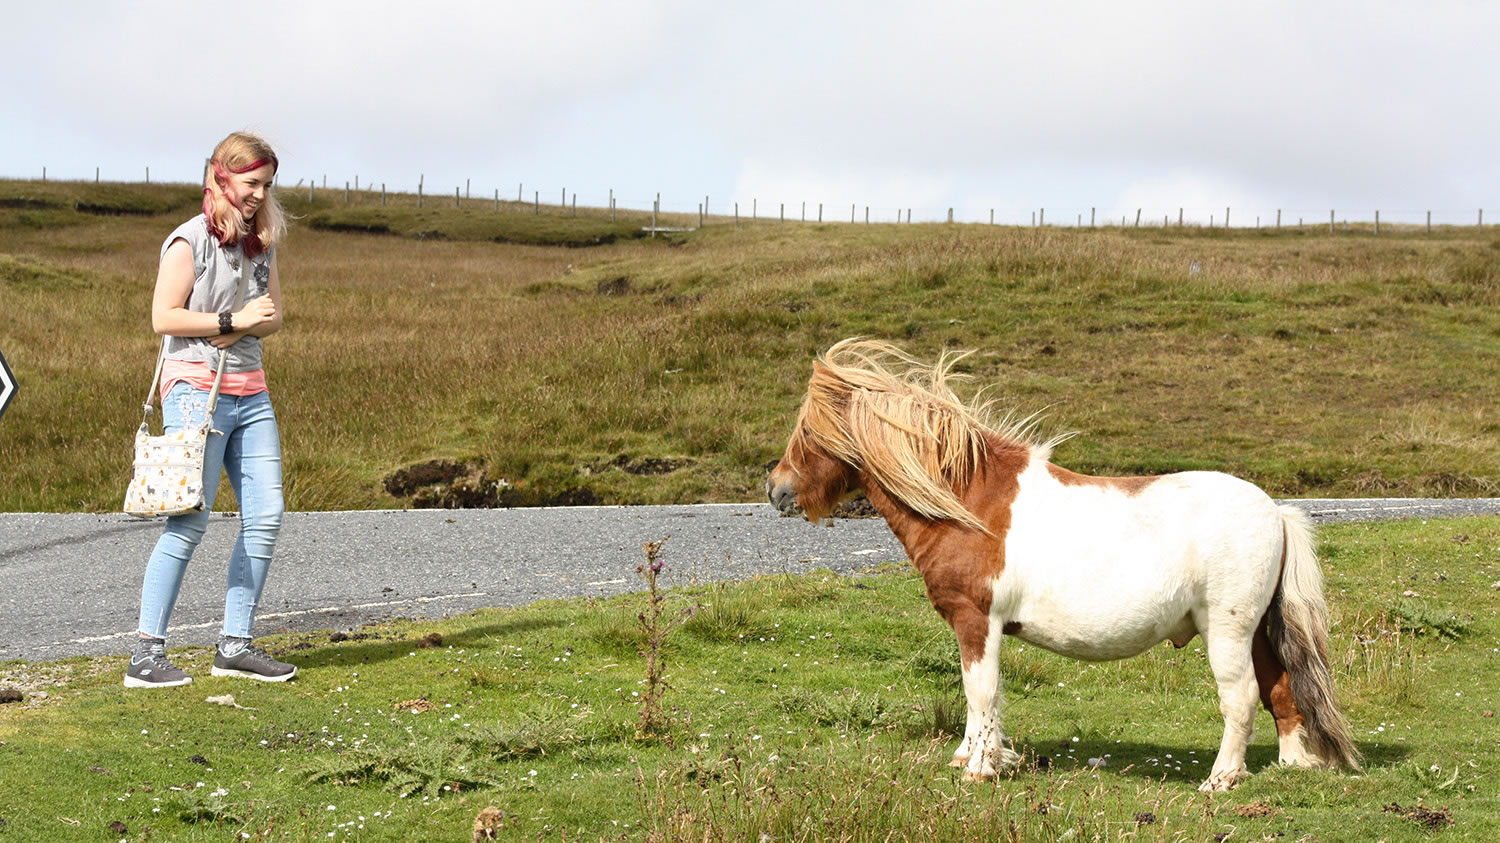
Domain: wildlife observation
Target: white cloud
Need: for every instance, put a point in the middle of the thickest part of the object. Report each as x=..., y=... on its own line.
x=972, y=105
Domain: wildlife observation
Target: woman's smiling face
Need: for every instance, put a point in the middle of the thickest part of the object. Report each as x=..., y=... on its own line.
x=247, y=190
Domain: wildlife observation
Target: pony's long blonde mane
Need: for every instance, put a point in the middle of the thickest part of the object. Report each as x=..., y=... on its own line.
x=876, y=408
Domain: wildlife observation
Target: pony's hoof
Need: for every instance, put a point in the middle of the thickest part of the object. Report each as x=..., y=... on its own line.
x=1222, y=781
x=970, y=776
x=959, y=761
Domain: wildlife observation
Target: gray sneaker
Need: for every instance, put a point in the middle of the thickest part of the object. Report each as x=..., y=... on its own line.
x=238, y=657
x=149, y=667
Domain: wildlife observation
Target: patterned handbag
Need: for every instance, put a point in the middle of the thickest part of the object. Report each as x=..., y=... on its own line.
x=168, y=477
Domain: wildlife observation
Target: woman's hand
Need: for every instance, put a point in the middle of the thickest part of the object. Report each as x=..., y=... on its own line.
x=222, y=341
x=256, y=312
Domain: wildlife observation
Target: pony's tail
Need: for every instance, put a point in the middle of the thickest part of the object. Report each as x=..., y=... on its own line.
x=1298, y=630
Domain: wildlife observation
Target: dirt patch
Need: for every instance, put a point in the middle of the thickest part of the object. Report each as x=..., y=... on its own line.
x=860, y=507
x=26, y=204
x=1446, y=485
x=639, y=466
x=111, y=210
x=453, y=484
x=1256, y=810
x=1422, y=815
x=348, y=227
x=613, y=287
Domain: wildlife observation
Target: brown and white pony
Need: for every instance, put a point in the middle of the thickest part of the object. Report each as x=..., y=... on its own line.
x=1093, y=568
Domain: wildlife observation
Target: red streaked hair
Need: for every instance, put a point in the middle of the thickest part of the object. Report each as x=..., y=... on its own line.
x=241, y=152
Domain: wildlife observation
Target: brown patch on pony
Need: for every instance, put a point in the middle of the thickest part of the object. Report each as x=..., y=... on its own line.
x=1274, y=681
x=959, y=564
x=1128, y=486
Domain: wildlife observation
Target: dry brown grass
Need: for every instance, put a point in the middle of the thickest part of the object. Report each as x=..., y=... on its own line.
x=1312, y=364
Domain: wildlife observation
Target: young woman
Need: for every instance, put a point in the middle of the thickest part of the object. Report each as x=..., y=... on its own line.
x=217, y=288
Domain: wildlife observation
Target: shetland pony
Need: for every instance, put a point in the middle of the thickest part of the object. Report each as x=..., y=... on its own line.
x=1094, y=568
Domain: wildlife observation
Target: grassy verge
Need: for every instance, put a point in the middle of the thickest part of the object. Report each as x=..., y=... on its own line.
x=668, y=370
x=806, y=708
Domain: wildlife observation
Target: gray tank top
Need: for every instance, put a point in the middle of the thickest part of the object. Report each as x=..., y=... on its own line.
x=216, y=283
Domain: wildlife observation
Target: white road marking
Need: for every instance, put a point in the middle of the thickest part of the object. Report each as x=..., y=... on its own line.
x=325, y=610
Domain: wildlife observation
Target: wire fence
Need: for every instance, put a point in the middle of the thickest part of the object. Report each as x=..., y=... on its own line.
x=560, y=200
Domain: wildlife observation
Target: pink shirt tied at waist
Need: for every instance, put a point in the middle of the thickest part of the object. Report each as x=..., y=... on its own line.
x=201, y=376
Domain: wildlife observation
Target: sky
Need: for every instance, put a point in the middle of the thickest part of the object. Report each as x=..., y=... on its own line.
x=1058, y=108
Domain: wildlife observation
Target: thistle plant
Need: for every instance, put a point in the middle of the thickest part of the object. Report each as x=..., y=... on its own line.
x=656, y=625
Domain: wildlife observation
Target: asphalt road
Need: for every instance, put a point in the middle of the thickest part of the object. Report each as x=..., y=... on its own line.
x=70, y=583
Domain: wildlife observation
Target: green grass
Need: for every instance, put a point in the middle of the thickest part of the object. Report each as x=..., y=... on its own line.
x=1312, y=364
x=804, y=707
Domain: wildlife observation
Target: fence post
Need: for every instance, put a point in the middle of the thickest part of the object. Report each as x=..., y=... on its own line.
x=309, y=190
x=564, y=201
x=1179, y=217
x=820, y=212
x=497, y=198
x=575, y=203
x=419, y=193
x=950, y=216
x=382, y=194
x=1091, y=217
x=356, y=181
x=1481, y=220
x=1429, y=222
x=96, y=175
x=1041, y=218
x=992, y=217
x=536, y=203
x=804, y=210
x=867, y=215
x=466, y=186
x=655, y=206
x=1330, y=222
x=148, y=175
x=700, y=214
x=1278, y=219
x=851, y=214
x=455, y=197
x=1226, y=219
x=1137, y=217
x=754, y=208
x=736, y=214
x=519, y=186
x=1377, y=222
x=781, y=214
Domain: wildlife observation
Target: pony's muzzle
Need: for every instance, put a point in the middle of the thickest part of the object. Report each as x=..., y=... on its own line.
x=783, y=497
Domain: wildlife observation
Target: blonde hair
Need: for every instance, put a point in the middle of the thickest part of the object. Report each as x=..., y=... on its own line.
x=237, y=153
x=872, y=406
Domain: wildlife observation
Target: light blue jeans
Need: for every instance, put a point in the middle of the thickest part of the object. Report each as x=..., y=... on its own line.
x=249, y=450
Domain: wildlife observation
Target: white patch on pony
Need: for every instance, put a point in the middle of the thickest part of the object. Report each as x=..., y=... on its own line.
x=983, y=753
x=1093, y=572
x=1294, y=751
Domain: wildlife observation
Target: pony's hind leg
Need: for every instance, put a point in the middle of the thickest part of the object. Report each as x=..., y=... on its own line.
x=1276, y=693
x=1229, y=657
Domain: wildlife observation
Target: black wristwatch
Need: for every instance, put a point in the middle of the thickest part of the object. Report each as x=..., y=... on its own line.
x=226, y=322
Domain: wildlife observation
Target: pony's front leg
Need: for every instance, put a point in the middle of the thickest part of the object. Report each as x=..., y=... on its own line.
x=982, y=753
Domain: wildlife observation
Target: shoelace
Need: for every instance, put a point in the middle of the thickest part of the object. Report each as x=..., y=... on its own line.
x=158, y=657
x=256, y=652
